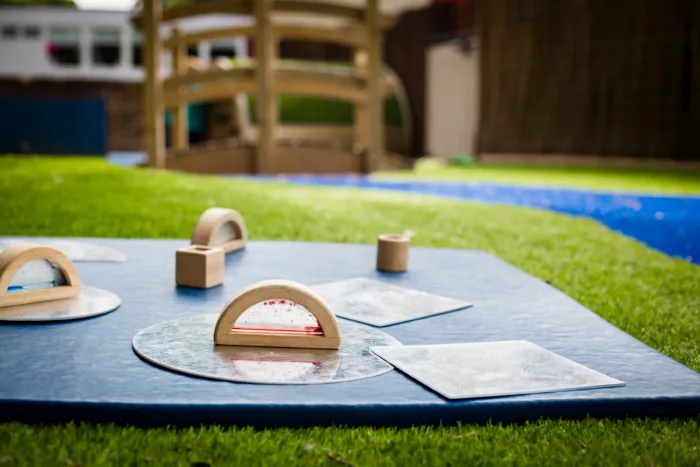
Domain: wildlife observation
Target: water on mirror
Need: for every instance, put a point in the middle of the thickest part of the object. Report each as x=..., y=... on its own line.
x=226, y=233
x=265, y=369
x=37, y=274
x=279, y=316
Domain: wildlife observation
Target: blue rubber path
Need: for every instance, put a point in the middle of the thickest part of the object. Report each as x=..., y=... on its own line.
x=670, y=224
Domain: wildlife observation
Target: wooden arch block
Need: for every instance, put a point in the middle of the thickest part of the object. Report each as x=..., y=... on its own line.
x=212, y=221
x=224, y=334
x=16, y=256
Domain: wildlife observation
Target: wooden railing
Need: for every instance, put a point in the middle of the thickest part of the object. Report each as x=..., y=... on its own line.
x=351, y=37
x=365, y=86
x=246, y=7
x=223, y=84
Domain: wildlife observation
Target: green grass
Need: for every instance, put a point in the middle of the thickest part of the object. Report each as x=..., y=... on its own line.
x=300, y=110
x=635, y=443
x=651, y=296
x=598, y=178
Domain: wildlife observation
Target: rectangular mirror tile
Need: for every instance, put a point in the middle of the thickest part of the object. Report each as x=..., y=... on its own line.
x=380, y=304
x=492, y=369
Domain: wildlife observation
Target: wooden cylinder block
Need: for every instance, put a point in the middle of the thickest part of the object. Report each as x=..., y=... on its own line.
x=392, y=253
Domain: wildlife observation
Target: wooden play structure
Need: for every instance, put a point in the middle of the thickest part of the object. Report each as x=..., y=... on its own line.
x=269, y=148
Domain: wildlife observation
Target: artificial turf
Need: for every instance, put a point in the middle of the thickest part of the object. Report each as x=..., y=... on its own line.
x=640, y=180
x=649, y=295
x=299, y=110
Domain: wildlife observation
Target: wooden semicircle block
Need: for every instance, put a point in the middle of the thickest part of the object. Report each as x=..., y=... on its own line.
x=225, y=334
x=16, y=256
x=212, y=223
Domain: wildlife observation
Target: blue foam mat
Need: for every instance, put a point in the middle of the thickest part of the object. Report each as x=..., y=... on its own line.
x=86, y=370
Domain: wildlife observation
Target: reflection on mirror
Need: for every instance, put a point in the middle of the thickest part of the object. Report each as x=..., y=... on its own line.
x=279, y=316
x=37, y=274
x=226, y=233
x=266, y=369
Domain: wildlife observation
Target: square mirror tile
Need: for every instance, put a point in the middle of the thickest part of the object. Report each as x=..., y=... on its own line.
x=492, y=369
x=380, y=304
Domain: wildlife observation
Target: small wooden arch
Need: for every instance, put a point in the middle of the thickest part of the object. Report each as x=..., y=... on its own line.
x=16, y=256
x=287, y=290
x=211, y=221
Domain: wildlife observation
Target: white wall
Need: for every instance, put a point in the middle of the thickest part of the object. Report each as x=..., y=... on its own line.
x=452, y=100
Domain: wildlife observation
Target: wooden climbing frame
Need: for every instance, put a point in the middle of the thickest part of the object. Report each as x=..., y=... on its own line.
x=365, y=85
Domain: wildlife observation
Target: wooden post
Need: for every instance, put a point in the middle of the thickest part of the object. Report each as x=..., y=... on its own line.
x=178, y=132
x=266, y=103
x=360, y=133
x=375, y=99
x=241, y=117
x=154, y=130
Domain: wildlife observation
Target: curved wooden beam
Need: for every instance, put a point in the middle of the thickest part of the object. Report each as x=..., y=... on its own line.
x=223, y=84
x=16, y=256
x=318, y=74
x=343, y=86
x=209, y=224
x=353, y=37
x=245, y=7
x=330, y=9
x=232, y=7
x=210, y=34
x=396, y=87
x=224, y=334
x=209, y=92
x=219, y=91
x=240, y=73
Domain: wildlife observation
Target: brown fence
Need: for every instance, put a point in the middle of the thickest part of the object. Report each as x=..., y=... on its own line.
x=618, y=78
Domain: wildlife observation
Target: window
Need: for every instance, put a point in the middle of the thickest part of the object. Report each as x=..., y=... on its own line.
x=9, y=32
x=136, y=49
x=64, y=45
x=31, y=32
x=223, y=50
x=106, y=47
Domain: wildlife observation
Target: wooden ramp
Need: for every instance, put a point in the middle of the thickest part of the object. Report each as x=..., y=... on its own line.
x=233, y=156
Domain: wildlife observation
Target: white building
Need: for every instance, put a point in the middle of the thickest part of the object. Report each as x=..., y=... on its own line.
x=71, y=44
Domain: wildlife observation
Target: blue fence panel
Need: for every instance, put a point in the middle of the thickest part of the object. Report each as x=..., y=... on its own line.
x=53, y=126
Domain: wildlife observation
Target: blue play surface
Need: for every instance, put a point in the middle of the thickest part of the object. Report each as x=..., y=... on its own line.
x=86, y=370
x=670, y=224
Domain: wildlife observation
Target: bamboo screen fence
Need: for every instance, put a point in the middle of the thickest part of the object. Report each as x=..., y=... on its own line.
x=617, y=78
